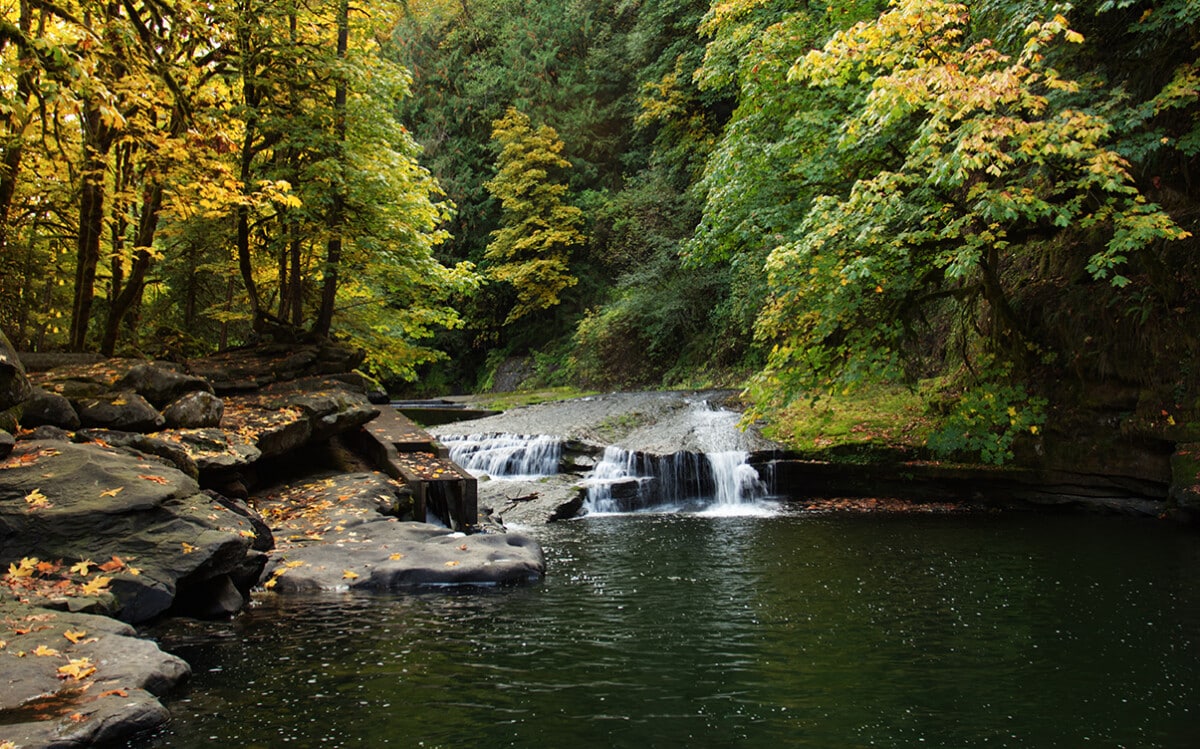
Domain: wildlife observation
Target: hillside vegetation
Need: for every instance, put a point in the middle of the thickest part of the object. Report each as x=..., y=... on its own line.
x=987, y=205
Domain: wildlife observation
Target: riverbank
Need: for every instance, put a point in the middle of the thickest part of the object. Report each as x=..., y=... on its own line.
x=131, y=491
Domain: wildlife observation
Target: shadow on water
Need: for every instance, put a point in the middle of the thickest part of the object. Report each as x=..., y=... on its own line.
x=661, y=630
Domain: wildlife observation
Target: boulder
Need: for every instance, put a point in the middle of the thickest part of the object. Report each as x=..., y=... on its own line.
x=160, y=384
x=83, y=681
x=44, y=408
x=332, y=534
x=161, y=536
x=122, y=410
x=14, y=385
x=194, y=410
x=7, y=443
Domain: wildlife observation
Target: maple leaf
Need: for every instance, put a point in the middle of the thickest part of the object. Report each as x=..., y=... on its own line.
x=78, y=669
x=135, y=571
x=454, y=563
x=82, y=567
x=247, y=534
x=75, y=635
x=349, y=575
x=38, y=501
x=24, y=569
x=114, y=693
x=7, y=745
x=43, y=651
x=270, y=583
x=112, y=492
x=3, y=644
x=115, y=564
x=78, y=717
x=49, y=568
x=96, y=585
x=188, y=548
x=155, y=479
x=395, y=556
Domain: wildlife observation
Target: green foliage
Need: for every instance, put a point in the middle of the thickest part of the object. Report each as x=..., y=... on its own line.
x=991, y=154
x=531, y=249
x=986, y=419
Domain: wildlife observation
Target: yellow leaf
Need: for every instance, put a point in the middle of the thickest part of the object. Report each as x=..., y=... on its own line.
x=44, y=651
x=24, y=569
x=112, y=492
x=247, y=534
x=135, y=571
x=396, y=556
x=270, y=583
x=3, y=644
x=37, y=501
x=188, y=548
x=75, y=635
x=96, y=585
x=349, y=575
x=78, y=669
x=81, y=567
x=453, y=563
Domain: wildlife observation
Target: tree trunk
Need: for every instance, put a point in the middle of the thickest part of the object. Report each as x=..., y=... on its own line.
x=98, y=139
x=131, y=292
x=337, y=209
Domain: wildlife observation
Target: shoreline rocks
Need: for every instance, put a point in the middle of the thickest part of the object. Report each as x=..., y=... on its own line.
x=136, y=490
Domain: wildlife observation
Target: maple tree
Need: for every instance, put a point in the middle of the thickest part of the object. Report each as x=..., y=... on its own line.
x=532, y=248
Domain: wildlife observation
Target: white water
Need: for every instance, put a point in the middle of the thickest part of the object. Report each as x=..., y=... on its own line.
x=625, y=481
x=506, y=456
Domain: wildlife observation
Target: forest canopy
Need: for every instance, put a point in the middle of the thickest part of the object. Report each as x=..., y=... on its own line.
x=992, y=196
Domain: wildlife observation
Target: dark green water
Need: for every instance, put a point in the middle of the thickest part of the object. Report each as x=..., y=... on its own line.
x=784, y=631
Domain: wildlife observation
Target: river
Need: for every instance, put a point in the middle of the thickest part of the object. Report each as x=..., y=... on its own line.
x=768, y=630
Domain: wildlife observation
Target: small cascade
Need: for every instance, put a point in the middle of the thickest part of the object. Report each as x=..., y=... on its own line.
x=717, y=474
x=506, y=456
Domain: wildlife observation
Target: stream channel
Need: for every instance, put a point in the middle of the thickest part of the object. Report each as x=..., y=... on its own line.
x=734, y=621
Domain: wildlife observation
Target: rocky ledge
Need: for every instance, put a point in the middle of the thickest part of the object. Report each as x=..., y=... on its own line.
x=132, y=490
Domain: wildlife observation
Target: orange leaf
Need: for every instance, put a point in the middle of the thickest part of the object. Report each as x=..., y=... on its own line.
x=155, y=479
x=78, y=669
x=115, y=693
x=113, y=565
x=78, y=717
x=75, y=635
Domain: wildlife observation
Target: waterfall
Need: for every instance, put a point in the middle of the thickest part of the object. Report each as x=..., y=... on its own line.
x=716, y=473
x=510, y=456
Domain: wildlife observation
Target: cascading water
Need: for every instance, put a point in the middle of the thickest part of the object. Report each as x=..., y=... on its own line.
x=716, y=471
x=510, y=456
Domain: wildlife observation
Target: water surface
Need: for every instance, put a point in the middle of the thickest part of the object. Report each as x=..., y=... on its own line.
x=751, y=631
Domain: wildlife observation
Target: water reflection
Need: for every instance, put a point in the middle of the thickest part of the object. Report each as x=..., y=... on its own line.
x=677, y=630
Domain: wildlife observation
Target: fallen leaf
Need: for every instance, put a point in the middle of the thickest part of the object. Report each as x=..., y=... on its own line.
x=78, y=669
x=112, y=492
x=188, y=548
x=75, y=635
x=82, y=567
x=114, y=693
x=78, y=717
x=116, y=564
x=350, y=575
x=49, y=568
x=24, y=569
x=96, y=585
x=135, y=571
x=155, y=479
x=37, y=501
x=42, y=651
x=453, y=563
x=462, y=547
x=396, y=556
